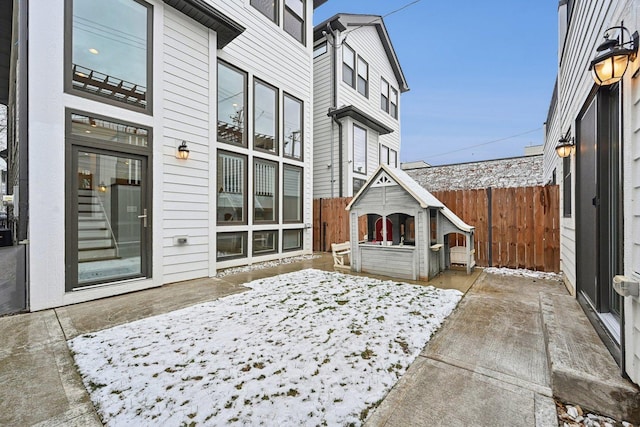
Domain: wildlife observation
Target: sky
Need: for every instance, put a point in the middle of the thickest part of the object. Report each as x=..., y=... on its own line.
x=479, y=73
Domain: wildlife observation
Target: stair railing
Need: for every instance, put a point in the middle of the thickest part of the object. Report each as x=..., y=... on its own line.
x=111, y=233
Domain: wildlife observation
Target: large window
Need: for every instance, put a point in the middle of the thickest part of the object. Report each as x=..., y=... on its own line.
x=232, y=188
x=269, y=8
x=363, y=77
x=265, y=116
x=265, y=201
x=359, y=149
x=292, y=194
x=232, y=85
x=294, y=19
x=348, y=66
x=292, y=127
x=110, y=51
x=231, y=246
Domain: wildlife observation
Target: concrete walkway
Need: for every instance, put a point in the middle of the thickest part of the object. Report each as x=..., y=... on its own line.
x=487, y=366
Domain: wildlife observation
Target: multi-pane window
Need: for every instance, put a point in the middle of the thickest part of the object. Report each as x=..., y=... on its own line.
x=363, y=77
x=110, y=51
x=265, y=200
x=291, y=240
x=265, y=116
x=566, y=186
x=393, y=109
x=292, y=125
x=384, y=95
x=232, y=85
x=269, y=8
x=232, y=189
x=292, y=194
x=265, y=242
x=231, y=245
x=348, y=66
x=294, y=19
x=359, y=149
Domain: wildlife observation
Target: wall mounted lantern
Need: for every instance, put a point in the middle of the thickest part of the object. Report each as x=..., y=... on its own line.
x=565, y=146
x=183, y=151
x=614, y=55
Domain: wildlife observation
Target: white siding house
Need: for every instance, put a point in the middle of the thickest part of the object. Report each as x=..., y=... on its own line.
x=600, y=180
x=102, y=101
x=356, y=113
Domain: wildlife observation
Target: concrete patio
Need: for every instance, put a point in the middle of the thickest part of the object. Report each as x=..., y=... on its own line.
x=510, y=346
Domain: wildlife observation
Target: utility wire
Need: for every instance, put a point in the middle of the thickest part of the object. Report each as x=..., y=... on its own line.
x=485, y=143
x=384, y=16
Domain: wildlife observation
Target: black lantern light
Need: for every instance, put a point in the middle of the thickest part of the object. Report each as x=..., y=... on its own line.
x=614, y=55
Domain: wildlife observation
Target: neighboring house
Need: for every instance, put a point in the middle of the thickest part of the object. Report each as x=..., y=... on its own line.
x=105, y=101
x=523, y=171
x=600, y=178
x=356, y=96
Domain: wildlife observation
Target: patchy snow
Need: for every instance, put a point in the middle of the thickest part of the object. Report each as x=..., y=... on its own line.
x=266, y=264
x=304, y=348
x=520, y=272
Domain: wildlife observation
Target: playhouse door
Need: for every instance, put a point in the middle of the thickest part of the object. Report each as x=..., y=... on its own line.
x=379, y=230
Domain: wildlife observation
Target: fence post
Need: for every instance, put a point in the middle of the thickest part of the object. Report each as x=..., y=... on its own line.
x=489, y=226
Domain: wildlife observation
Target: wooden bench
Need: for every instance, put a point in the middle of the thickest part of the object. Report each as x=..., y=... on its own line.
x=341, y=252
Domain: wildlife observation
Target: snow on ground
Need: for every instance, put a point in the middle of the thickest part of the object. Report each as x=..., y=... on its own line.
x=304, y=348
x=266, y=264
x=523, y=273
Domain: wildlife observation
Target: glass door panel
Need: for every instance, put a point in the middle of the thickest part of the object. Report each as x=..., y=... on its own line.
x=111, y=217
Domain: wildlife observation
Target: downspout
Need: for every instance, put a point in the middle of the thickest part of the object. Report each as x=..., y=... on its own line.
x=335, y=34
x=23, y=126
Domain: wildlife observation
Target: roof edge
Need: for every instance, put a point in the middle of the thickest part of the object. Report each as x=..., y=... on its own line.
x=362, y=117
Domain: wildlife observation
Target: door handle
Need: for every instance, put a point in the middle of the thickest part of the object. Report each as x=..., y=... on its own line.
x=143, y=217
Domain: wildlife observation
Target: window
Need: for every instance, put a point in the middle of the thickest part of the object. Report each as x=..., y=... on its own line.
x=357, y=185
x=292, y=194
x=566, y=187
x=265, y=242
x=265, y=201
x=268, y=8
x=292, y=124
x=363, y=77
x=291, y=240
x=265, y=116
x=359, y=149
x=110, y=51
x=384, y=155
x=231, y=100
x=231, y=184
x=384, y=95
x=320, y=49
x=231, y=246
x=393, y=109
x=348, y=66
x=393, y=158
x=294, y=19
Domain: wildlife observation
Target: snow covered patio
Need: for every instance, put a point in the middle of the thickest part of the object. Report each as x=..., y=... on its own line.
x=309, y=347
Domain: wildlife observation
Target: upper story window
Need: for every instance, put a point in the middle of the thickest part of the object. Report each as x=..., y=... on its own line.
x=363, y=77
x=359, y=149
x=320, y=49
x=109, y=51
x=388, y=156
x=388, y=98
x=348, y=66
x=265, y=117
x=232, y=85
x=292, y=124
x=269, y=8
x=294, y=19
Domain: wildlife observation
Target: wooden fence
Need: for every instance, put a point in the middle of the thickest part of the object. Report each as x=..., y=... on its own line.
x=515, y=227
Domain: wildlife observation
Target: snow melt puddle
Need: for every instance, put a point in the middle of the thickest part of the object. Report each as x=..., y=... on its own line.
x=520, y=272
x=304, y=348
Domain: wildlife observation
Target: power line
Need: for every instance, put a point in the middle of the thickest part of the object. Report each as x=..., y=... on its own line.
x=485, y=143
x=383, y=16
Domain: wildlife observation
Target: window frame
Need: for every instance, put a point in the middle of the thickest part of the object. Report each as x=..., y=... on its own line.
x=276, y=194
x=300, y=170
x=68, y=62
x=352, y=83
x=245, y=189
x=245, y=136
x=245, y=251
x=320, y=49
x=276, y=243
x=393, y=106
x=359, y=59
x=384, y=95
x=296, y=248
x=383, y=149
x=284, y=118
x=276, y=118
x=276, y=10
x=361, y=183
x=302, y=19
x=366, y=138
x=395, y=158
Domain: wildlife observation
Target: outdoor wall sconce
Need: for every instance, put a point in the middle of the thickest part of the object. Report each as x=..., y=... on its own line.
x=183, y=151
x=613, y=56
x=102, y=187
x=565, y=146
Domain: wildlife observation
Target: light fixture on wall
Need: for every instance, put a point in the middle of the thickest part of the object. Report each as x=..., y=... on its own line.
x=614, y=55
x=565, y=146
x=183, y=151
x=102, y=187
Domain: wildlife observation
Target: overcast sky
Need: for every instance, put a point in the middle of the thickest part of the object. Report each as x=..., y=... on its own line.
x=477, y=72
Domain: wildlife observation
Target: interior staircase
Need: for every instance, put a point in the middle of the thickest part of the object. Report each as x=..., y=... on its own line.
x=96, y=241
